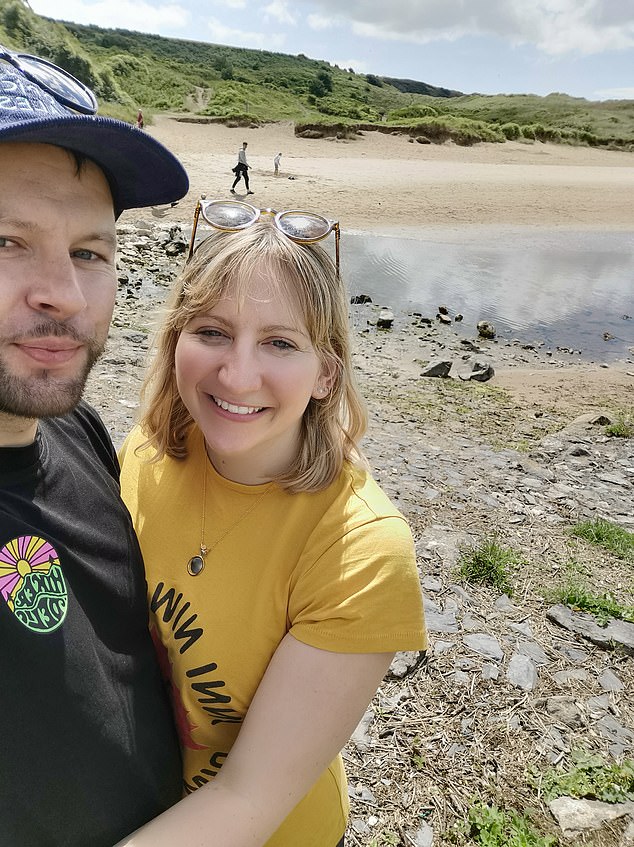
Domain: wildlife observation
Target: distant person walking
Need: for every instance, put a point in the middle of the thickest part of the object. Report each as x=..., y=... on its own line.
x=241, y=169
x=140, y=123
x=276, y=163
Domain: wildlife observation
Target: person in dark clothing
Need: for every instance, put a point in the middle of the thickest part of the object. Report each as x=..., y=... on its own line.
x=89, y=752
x=241, y=170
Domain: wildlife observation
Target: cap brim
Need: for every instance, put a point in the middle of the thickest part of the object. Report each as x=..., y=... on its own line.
x=140, y=170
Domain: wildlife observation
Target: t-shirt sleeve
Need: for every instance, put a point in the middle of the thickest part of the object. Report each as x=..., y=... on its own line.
x=362, y=593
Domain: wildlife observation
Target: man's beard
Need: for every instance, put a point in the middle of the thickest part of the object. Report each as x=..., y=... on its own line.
x=42, y=394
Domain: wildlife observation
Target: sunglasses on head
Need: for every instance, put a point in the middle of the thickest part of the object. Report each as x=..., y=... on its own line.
x=234, y=216
x=56, y=81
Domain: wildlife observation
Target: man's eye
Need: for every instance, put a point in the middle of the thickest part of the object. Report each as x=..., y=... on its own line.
x=6, y=242
x=85, y=255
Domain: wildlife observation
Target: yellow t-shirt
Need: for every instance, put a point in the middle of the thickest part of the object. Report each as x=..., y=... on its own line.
x=335, y=568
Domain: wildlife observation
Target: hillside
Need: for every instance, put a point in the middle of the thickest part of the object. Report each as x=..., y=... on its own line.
x=129, y=70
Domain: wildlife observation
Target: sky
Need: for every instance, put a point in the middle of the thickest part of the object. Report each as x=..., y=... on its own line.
x=580, y=47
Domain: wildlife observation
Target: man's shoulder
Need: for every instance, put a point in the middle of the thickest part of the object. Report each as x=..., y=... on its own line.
x=85, y=428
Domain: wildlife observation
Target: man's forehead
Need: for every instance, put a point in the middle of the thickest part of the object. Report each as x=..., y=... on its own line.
x=48, y=182
x=49, y=162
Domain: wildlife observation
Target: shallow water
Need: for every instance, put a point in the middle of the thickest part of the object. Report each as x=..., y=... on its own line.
x=560, y=289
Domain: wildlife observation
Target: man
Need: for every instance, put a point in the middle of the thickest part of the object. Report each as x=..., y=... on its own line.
x=276, y=163
x=88, y=751
x=241, y=169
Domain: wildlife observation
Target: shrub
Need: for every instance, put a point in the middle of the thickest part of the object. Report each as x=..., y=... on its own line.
x=412, y=112
x=374, y=80
x=511, y=131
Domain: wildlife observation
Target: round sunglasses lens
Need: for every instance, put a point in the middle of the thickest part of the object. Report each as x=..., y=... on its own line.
x=303, y=225
x=57, y=81
x=229, y=215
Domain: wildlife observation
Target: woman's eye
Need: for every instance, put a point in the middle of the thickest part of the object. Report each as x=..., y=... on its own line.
x=281, y=344
x=206, y=332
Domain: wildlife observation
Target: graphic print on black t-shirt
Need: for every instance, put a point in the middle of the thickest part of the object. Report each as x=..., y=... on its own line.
x=32, y=583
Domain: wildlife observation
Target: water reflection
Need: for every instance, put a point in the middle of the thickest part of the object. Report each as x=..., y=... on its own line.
x=561, y=288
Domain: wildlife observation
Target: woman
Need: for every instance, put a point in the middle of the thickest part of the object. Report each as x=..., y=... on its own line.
x=281, y=579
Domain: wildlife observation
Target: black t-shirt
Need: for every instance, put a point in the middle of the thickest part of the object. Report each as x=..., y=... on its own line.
x=88, y=751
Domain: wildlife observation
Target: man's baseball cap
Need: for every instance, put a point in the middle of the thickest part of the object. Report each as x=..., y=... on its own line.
x=140, y=171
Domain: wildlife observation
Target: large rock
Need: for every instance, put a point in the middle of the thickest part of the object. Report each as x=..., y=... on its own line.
x=616, y=632
x=577, y=816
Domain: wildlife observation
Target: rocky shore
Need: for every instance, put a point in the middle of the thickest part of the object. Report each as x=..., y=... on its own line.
x=510, y=685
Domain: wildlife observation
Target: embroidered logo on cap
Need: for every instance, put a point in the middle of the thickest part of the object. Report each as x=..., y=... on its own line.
x=19, y=97
x=32, y=583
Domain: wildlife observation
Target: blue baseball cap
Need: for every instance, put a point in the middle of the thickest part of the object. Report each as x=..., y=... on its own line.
x=140, y=170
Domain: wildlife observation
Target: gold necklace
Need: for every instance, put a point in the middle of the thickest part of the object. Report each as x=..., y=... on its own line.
x=196, y=564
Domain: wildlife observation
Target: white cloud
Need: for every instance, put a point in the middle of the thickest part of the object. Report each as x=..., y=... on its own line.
x=554, y=26
x=614, y=94
x=319, y=22
x=279, y=11
x=117, y=14
x=235, y=4
x=222, y=34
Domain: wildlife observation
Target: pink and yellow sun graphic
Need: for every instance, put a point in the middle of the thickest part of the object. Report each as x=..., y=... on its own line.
x=20, y=557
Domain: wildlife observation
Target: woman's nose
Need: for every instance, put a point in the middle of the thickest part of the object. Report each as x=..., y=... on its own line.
x=240, y=370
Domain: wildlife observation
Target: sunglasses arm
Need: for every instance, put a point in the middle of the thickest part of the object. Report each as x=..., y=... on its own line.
x=194, y=228
x=337, y=235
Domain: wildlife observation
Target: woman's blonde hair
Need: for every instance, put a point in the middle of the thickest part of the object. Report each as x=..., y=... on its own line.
x=225, y=263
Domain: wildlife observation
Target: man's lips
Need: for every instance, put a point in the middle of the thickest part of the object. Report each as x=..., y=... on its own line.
x=49, y=351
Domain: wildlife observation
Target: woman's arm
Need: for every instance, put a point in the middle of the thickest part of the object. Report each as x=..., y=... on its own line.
x=304, y=711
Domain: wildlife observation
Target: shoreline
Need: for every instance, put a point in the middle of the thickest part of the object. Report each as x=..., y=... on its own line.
x=384, y=184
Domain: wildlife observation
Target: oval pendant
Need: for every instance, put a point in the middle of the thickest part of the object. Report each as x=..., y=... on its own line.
x=195, y=565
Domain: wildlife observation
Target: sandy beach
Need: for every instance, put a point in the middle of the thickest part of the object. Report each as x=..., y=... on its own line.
x=381, y=182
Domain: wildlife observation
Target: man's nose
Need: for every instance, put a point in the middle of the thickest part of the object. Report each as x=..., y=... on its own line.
x=55, y=288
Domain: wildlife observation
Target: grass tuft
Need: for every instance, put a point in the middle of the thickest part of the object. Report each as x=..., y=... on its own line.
x=489, y=826
x=489, y=564
x=590, y=777
x=623, y=426
x=608, y=535
x=604, y=607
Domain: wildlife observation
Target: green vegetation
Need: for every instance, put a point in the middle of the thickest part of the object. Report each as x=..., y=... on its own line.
x=131, y=69
x=575, y=592
x=489, y=826
x=604, y=606
x=608, y=535
x=489, y=564
x=591, y=777
x=623, y=426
